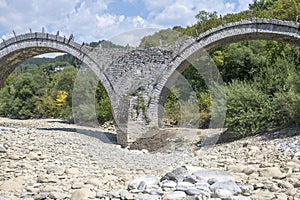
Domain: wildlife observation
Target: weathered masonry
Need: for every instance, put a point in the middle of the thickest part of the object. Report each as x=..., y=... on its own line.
x=138, y=77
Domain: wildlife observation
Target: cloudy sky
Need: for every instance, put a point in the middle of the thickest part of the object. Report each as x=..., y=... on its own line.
x=93, y=20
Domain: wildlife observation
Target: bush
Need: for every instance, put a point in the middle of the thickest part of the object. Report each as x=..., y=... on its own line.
x=249, y=110
x=271, y=100
x=172, y=106
x=205, y=103
x=18, y=96
x=290, y=100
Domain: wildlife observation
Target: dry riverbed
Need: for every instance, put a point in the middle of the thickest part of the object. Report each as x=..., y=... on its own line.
x=49, y=159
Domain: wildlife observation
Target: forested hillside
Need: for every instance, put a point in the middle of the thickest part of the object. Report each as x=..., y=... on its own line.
x=262, y=78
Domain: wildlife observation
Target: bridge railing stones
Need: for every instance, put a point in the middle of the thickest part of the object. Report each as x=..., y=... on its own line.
x=181, y=46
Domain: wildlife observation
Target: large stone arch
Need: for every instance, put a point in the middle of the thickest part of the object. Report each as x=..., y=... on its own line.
x=251, y=29
x=16, y=50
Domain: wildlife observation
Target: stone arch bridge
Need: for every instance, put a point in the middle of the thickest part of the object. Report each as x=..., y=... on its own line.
x=141, y=76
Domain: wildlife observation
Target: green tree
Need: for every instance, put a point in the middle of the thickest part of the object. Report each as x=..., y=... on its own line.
x=103, y=106
x=204, y=16
x=64, y=81
x=19, y=95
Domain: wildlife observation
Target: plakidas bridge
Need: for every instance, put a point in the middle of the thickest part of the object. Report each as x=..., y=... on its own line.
x=136, y=80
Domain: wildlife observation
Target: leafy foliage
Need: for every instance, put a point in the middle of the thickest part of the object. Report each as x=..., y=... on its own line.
x=38, y=90
x=61, y=97
x=103, y=105
x=19, y=96
x=262, y=77
x=163, y=37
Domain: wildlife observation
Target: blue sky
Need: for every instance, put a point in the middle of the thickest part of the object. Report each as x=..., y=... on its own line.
x=119, y=20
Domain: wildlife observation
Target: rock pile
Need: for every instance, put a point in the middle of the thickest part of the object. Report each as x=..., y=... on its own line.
x=187, y=183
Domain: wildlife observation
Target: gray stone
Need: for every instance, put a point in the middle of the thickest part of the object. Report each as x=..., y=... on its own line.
x=262, y=195
x=229, y=185
x=183, y=186
x=179, y=174
x=71, y=171
x=222, y=193
x=297, y=196
x=214, y=174
x=212, y=180
x=41, y=196
x=123, y=193
x=12, y=185
x=271, y=172
x=100, y=194
x=168, y=184
x=193, y=191
x=249, y=170
x=114, y=194
x=243, y=187
x=203, y=188
x=285, y=184
x=281, y=196
x=204, y=195
x=94, y=181
x=238, y=198
x=153, y=191
x=38, y=185
x=142, y=186
x=191, y=180
x=148, y=197
x=3, y=149
x=77, y=185
x=4, y=197
x=83, y=193
x=46, y=179
x=176, y=195
x=149, y=180
x=57, y=195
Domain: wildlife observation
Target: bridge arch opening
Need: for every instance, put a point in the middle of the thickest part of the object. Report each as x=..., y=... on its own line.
x=248, y=30
x=15, y=51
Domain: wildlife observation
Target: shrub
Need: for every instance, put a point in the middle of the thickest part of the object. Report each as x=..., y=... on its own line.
x=249, y=110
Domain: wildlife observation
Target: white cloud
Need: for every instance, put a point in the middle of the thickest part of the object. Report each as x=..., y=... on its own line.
x=183, y=12
x=20, y=16
x=108, y=20
x=92, y=20
x=244, y=4
x=3, y=3
x=158, y=4
x=131, y=1
x=230, y=6
x=70, y=17
x=132, y=37
x=138, y=21
x=176, y=12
